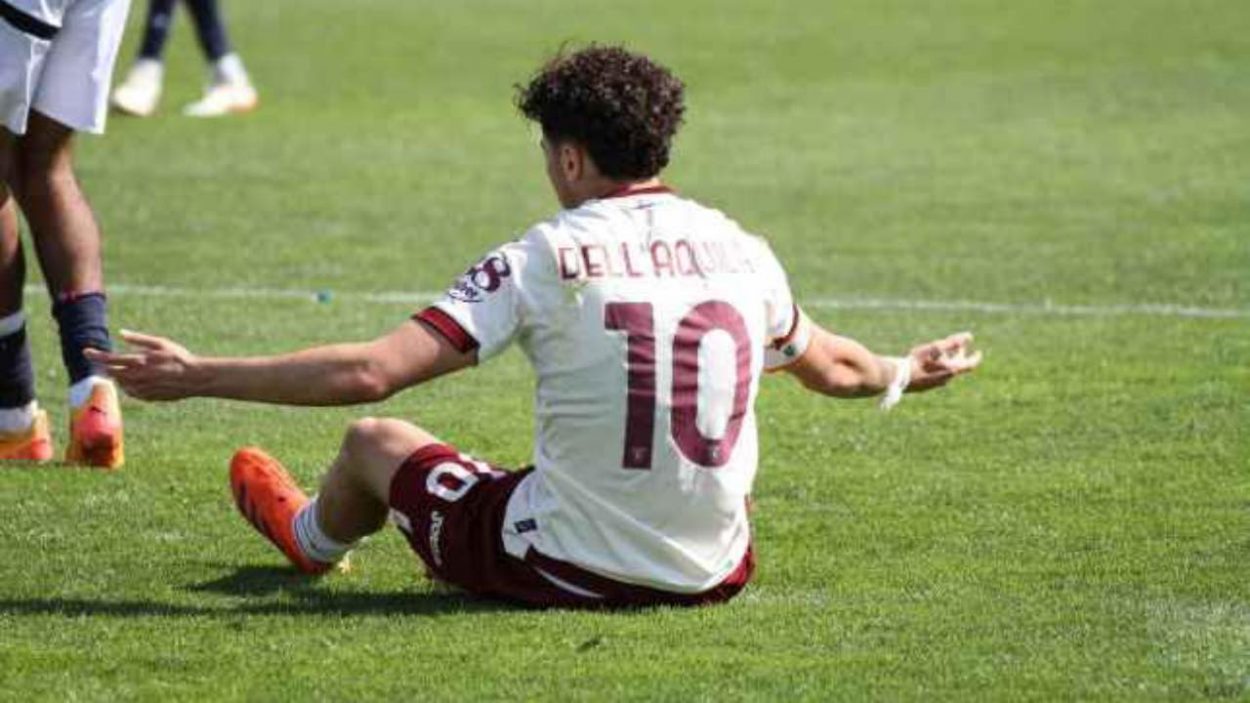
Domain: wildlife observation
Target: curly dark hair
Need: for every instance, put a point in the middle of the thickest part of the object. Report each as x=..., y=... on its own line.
x=622, y=107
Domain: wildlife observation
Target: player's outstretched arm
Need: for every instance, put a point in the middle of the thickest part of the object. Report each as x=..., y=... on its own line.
x=335, y=374
x=842, y=367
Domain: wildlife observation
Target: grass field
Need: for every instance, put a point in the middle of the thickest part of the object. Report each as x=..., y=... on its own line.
x=1072, y=523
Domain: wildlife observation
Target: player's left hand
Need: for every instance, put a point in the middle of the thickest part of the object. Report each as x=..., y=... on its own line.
x=156, y=369
x=934, y=364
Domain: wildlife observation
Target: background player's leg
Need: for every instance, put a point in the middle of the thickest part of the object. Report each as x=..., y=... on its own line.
x=67, y=241
x=67, y=238
x=18, y=411
x=156, y=29
x=209, y=29
x=231, y=89
x=141, y=91
x=12, y=264
x=17, y=375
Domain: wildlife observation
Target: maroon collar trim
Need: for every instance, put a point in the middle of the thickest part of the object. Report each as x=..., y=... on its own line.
x=626, y=191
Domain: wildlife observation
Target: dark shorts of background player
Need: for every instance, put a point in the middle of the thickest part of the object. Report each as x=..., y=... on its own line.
x=460, y=540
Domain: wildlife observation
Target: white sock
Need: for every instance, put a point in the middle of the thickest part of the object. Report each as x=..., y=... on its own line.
x=148, y=69
x=313, y=542
x=12, y=323
x=80, y=392
x=18, y=419
x=229, y=69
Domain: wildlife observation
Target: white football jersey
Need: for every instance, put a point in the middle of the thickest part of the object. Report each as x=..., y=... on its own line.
x=646, y=318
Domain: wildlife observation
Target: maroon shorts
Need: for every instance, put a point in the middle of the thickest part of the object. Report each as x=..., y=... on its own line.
x=451, y=509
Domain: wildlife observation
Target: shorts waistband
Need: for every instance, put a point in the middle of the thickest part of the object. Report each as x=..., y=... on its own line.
x=27, y=24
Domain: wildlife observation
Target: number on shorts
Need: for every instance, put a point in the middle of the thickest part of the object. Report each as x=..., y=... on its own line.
x=461, y=479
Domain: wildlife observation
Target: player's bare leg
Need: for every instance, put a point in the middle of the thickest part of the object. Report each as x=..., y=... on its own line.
x=67, y=242
x=355, y=492
x=12, y=263
x=67, y=238
x=353, y=502
x=24, y=431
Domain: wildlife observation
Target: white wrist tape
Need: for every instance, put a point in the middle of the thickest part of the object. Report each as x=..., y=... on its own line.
x=902, y=377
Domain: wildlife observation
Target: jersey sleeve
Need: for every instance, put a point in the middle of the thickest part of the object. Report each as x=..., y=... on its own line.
x=484, y=308
x=788, y=330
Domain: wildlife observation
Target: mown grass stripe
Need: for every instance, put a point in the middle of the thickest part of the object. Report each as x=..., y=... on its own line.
x=1045, y=308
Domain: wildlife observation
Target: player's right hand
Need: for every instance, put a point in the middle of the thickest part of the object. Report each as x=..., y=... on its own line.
x=155, y=369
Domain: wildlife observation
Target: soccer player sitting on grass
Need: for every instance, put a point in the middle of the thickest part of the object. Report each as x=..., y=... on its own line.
x=648, y=319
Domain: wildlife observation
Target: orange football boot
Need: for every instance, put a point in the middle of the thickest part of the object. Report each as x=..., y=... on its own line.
x=268, y=497
x=95, y=430
x=32, y=444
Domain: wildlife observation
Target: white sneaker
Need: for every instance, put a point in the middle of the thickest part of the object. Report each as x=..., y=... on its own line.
x=139, y=94
x=224, y=99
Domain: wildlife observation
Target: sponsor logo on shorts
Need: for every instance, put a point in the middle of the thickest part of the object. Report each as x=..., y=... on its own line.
x=436, y=531
x=523, y=526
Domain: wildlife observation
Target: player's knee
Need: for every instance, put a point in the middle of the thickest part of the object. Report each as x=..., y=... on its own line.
x=381, y=444
x=369, y=437
x=374, y=449
x=363, y=435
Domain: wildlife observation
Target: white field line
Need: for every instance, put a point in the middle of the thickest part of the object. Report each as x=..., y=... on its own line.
x=1046, y=308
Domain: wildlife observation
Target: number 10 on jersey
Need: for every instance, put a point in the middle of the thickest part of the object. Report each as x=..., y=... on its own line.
x=637, y=321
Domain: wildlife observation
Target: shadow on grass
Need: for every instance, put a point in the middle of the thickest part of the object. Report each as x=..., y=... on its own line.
x=258, y=581
x=302, y=596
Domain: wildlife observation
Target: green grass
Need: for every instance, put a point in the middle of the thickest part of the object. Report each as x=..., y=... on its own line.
x=1072, y=523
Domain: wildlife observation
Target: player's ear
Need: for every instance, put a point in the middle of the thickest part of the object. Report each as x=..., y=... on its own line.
x=573, y=161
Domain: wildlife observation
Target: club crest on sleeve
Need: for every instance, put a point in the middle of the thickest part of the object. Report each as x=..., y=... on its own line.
x=481, y=279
